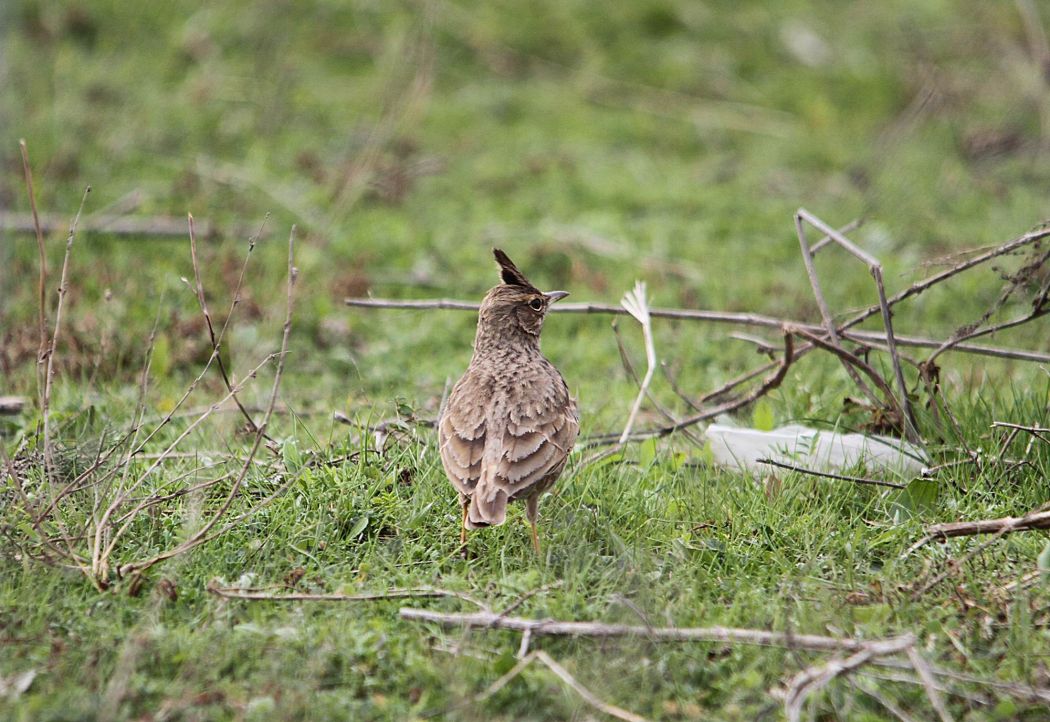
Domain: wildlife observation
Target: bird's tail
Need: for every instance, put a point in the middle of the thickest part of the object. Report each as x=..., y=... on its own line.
x=488, y=507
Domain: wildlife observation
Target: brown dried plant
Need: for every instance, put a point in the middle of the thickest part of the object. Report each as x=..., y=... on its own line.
x=100, y=508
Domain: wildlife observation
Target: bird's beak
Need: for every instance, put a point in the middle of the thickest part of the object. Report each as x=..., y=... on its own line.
x=553, y=296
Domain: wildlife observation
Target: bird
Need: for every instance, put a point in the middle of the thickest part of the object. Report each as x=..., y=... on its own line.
x=509, y=423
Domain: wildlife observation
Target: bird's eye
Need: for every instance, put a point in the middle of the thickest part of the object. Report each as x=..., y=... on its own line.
x=536, y=304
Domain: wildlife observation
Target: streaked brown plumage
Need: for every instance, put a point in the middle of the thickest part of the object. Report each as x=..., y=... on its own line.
x=509, y=423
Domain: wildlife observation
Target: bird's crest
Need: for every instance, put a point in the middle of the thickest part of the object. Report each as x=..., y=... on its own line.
x=509, y=272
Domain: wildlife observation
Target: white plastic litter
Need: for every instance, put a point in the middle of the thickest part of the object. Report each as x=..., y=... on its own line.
x=798, y=445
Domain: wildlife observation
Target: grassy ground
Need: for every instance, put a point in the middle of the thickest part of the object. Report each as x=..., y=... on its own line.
x=596, y=144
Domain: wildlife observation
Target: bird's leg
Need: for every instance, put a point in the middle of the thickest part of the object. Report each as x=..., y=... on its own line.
x=535, y=538
x=465, y=503
x=531, y=512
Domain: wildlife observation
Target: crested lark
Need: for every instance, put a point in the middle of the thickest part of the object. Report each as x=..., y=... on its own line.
x=509, y=423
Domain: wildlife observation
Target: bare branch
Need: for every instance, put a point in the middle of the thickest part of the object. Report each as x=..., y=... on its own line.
x=1039, y=519
x=211, y=329
x=771, y=382
x=260, y=595
x=924, y=285
x=588, y=696
x=628, y=367
x=27, y=172
x=724, y=317
x=49, y=374
x=875, y=268
x=1015, y=281
x=825, y=310
x=563, y=674
x=202, y=534
x=922, y=668
x=113, y=225
x=817, y=677
x=828, y=337
x=552, y=627
x=826, y=475
x=1036, y=431
x=853, y=360
x=1005, y=525
x=68, y=554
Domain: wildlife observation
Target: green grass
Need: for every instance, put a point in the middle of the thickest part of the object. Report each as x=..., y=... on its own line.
x=666, y=141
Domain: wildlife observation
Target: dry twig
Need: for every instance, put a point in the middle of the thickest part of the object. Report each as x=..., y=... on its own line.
x=1039, y=307
x=49, y=374
x=636, y=304
x=875, y=268
x=203, y=534
x=817, y=677
x=1036, y=431
x=720, y=317
x=27, y=171
x=261, y=595
x=552, y=627
x=1004, y=525
x=207, y=319
x=1039, y=519
x=563, y=674
x=109, y=224
x=829, y=336
x=922, y=668
x=827, y=475
x=628, y=367
x=771, y=382
x=80, y=523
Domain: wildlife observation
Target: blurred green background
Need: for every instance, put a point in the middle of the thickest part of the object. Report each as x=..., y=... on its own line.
x=597, y=143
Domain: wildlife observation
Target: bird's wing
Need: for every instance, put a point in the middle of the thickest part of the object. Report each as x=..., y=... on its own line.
x=461, y=435
x=536, y=440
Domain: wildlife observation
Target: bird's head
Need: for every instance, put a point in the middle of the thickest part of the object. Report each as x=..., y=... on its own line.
x=514, y=309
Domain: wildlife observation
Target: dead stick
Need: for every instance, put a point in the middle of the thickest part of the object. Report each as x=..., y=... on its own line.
x=260, y=595
x=628, y=367
x=817, y=677
x=855, y=361
x=875, y=268
x=1037, y=520
x=1015, y=281
x=830, y=328
x=1036, y=431
x=49, y=373
x=115, y=225
x=553, y=627
x=925, y=284
x=565, y=676
x=1022, y=427
x=202, y=534
x=211, y=328
x=997, y=528
x=826, y=475
x=922, y=668
x=726, y=317
x=588, y=696
x=27, y=171
x=772, y=382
